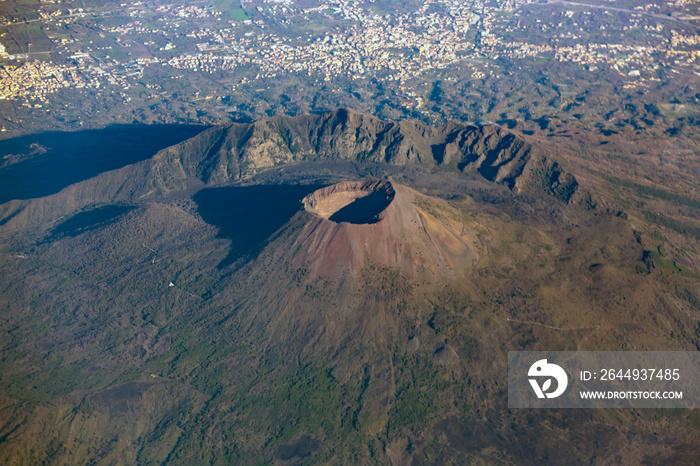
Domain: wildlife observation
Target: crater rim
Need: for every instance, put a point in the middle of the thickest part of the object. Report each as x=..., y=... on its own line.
x=359, y=202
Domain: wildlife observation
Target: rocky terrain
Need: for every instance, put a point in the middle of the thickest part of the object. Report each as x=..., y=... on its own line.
x=422, y=237
x=237, y=152
x=368, y=199
x=205, y=305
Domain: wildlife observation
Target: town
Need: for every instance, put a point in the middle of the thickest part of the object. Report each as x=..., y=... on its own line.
x=334, y=40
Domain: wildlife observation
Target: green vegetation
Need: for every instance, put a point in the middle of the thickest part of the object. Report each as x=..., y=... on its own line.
x=652, y=192
x=306, y=401
x=673, y=224
x=695, y=419
x=669, y=266
x=231, y=8
x=413, y=406
x=239, y=14
x=416, y=402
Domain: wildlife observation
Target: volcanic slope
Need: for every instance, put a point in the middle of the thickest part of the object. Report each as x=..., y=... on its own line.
x=241, y=150
x=414, y=233
x=151, y=318
x=234, y=153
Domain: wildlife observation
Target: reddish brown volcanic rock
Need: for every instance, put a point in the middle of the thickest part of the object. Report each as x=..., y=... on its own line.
x=351, y=201
x=422, y=236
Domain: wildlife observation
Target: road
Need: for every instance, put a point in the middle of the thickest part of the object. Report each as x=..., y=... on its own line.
x=609, y=8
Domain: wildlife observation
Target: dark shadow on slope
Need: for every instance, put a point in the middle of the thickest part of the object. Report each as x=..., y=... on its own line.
x=43, y=164
x=89, y=220
x=297, y=450
x=364, y=210
x=439, y=149
x=249, y=215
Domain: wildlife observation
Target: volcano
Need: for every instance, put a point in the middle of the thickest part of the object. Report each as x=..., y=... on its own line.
x=327, y=289
x=391, y=224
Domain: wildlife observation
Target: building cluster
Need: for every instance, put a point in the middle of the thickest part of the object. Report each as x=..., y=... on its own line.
x=36, y=79
x=400, y=47
x=131, y=28
x=191, y=11
x=679, y=40
x=395, y=47
x=387, y=45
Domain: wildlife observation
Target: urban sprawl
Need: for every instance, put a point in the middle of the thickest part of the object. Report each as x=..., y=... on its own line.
x=388, y=47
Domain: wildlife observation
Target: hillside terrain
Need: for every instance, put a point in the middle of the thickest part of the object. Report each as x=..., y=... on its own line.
x=236, y=152
x=335, y=288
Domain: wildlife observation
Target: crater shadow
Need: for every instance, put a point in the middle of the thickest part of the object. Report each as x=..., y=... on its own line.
x=364, y=210
x=249, y=215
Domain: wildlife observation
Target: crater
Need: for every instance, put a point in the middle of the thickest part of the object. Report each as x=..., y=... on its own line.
x=359, y=202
